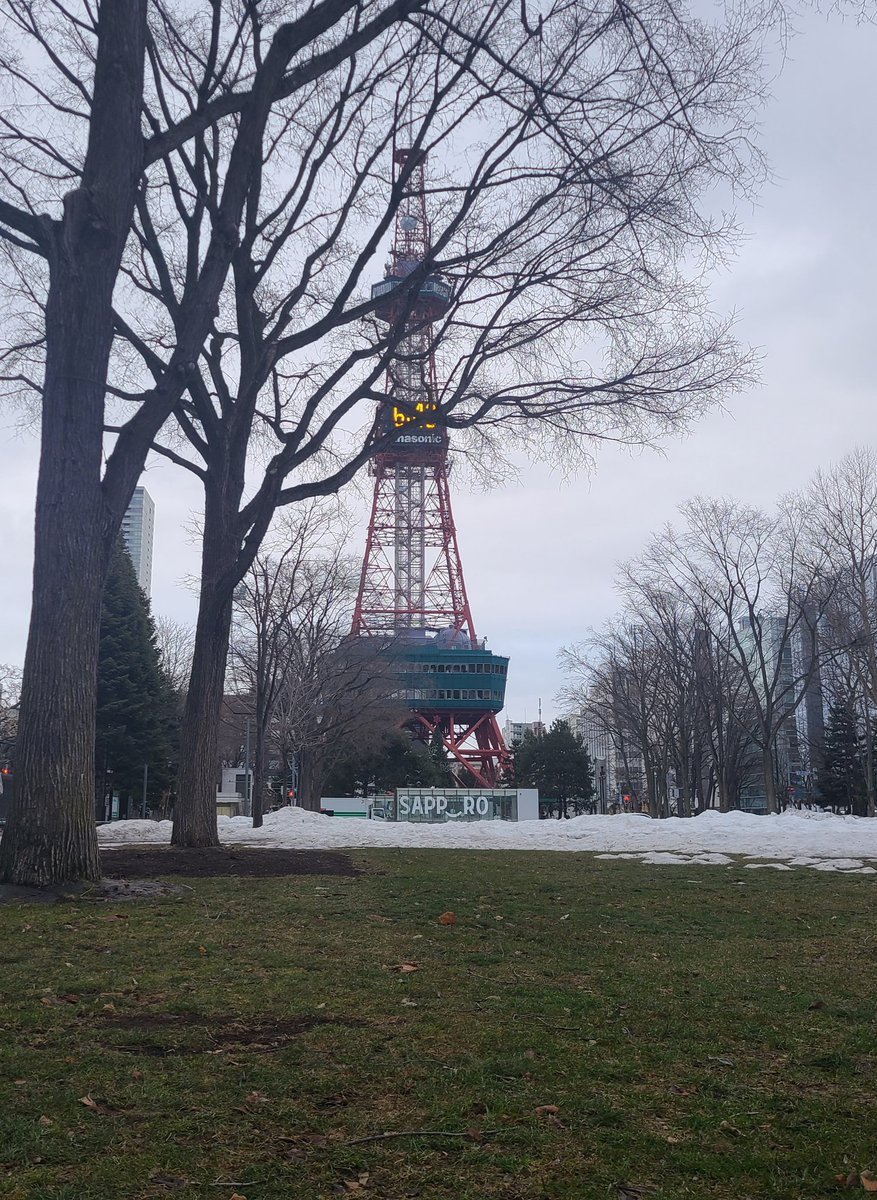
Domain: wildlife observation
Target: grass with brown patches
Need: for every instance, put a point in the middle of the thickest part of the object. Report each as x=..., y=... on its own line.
x=584, y=1029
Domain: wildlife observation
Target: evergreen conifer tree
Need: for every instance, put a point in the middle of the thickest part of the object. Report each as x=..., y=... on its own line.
x=559, y=765
x=442, y=775
x=137, y=709
x=842, y=780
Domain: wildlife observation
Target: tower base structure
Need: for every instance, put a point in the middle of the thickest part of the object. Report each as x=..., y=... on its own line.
x=455, y=689
x=473, y=743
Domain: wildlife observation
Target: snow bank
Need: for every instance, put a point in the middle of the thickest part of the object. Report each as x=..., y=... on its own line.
x=819, y=841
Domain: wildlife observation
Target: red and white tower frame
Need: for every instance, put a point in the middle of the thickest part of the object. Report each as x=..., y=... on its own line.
x=412, y=589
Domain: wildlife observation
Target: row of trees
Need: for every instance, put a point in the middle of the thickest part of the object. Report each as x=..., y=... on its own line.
x=193, y=206
x=313, y=695
x=739, y=628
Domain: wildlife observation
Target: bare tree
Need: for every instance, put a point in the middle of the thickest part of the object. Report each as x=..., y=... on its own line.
x=762, y=595
x=616, y=677
x=571, y=138
x=841, y=508
x=83, y=135
x=674, y=630
x=10, y=691
x=338, y=692
x=174, y=640
x=292, y=585
x=717, y=646
x=726, y=716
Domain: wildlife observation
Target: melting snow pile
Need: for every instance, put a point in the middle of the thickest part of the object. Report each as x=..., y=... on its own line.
x=817, y=840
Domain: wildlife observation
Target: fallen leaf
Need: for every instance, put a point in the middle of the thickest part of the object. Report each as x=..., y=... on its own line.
x=46, y=1121
x=110, y=1007
x=135, y=1074
x=202, y=949
x=869, y=1183
x=89, y=1103
x=236, y=1196
x=406, y=1003
x=448, y=918
x=546, y=1110
x=69, y=998
x=257, y=1098
x=404, y=968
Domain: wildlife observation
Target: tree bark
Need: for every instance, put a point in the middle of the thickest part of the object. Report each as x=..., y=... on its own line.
x=50, y=835
x=259, y=771
x=770, y=786
x=195, y=810
x=869, y=761
x=310, y=780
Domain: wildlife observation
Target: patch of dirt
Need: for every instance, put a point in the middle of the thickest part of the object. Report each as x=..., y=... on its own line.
x=213, y=1034
x=141, y=862
x=106, y=889
x=130, y=871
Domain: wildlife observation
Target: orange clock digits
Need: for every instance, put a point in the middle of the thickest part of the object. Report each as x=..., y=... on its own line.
x=401, y=418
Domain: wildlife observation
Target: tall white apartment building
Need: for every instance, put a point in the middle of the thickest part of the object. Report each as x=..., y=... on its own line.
x=514, y=732
x=138, y=528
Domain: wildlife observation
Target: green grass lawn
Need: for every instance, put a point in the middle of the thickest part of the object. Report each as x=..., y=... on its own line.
x=585, y=1029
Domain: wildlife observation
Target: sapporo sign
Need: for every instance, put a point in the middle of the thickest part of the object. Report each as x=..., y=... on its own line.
x=452, y=804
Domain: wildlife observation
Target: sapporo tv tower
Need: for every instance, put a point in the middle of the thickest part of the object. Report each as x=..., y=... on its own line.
x=411, y=589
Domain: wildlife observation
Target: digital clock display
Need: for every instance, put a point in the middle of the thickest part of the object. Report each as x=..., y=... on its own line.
x=403, y=417
x=414, y=425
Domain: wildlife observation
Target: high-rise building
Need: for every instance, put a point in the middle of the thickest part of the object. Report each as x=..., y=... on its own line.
x=770, y=646
x=514, y=732
x=138, y=527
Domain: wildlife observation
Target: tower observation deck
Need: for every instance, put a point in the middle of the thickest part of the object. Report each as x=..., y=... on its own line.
x=412, y=590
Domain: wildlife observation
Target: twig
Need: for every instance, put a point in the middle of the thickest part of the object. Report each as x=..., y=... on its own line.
x=559, y=1028
x=475, y=1134
x=235, y=1183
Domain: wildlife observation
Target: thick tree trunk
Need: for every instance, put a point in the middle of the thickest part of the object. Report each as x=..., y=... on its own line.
x=259, y=773
x=652, y=792
x=195, y=810
x=723, y=789
x=310, y=780
x=50, y=834
x=770, y=786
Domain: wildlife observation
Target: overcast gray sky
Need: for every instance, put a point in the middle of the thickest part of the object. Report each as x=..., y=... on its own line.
x=540, y=556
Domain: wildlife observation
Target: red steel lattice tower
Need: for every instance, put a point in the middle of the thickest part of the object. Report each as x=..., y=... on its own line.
x=412, y=589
